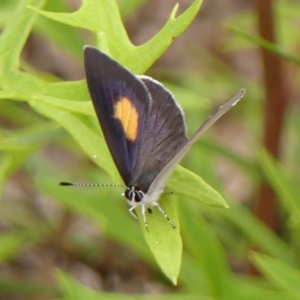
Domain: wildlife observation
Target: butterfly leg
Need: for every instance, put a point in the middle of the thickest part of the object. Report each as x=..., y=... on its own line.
x=144, y=216
x=164, y=214
x=131, y=211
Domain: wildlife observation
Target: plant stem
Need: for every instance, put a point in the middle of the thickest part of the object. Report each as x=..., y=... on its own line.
x=277, y=94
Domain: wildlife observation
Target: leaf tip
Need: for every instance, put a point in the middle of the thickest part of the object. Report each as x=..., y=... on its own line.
x=174, y=281
x=174, y=11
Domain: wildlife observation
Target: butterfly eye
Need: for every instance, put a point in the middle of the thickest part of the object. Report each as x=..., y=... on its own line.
x=139, y=196
x=129, y=195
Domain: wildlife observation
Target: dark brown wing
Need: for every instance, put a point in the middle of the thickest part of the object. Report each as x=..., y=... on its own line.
x=164, y=134
x=122, y=104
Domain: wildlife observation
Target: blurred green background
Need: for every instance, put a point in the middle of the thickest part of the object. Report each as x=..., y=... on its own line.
x=81, y=243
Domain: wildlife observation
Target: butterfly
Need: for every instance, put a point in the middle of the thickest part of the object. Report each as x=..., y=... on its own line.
x=143, y=127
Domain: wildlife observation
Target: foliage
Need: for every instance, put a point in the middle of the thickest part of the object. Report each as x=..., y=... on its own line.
x=46, y=111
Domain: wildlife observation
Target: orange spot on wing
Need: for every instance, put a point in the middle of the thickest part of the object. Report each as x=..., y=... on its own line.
x=127, y=114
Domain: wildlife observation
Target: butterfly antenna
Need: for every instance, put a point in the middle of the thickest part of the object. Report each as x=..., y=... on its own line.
x=90, y=184
x=167, y=193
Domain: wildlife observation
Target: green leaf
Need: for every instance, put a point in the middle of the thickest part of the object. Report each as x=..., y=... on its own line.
x=112, y=36
x=72, y=290
x=201, y=242
x=283, y=275
x=188, y=185
x=11, y=160
x=255, y=231
x=82, y=107
x=286, y=188
x=86, y=133
x=10, y=245
x=278, y=50
x=247, y=288
x=163, y=240
x=27, y=288
x=16, y=33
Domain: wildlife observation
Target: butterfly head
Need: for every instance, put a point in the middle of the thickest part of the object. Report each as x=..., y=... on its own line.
x=134, y=195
